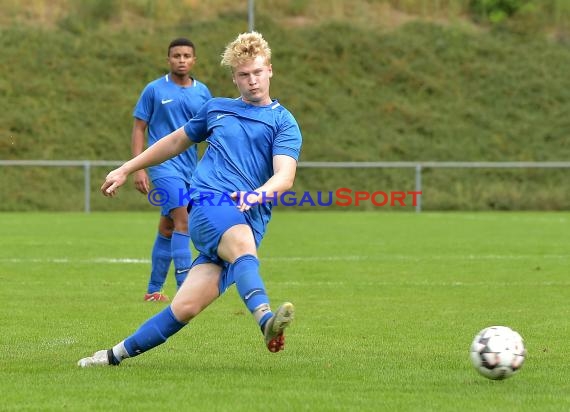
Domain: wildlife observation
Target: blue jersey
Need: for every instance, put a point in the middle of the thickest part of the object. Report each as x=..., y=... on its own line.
x=166, y=106
x=242, y=140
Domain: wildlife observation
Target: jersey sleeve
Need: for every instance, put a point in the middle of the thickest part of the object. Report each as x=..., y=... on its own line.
x=207, y=93
x=197, y=128
x=144, y=107
x=288, y=140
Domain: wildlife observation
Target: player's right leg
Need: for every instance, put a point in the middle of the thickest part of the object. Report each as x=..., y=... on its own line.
x=161, y=257
x=195, y=295
x=160, y=261
x=150, y=334
x=174, y=206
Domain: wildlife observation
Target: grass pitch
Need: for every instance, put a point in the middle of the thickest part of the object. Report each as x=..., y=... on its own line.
x=387, y=306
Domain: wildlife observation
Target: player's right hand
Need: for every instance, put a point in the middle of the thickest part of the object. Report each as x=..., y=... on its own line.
x=141, y=182
x=113, y=181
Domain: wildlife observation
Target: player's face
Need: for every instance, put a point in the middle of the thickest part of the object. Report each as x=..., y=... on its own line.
x=252, y=80
x=181, y=59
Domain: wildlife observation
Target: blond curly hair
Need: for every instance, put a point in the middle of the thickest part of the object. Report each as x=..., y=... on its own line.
x=247, y=46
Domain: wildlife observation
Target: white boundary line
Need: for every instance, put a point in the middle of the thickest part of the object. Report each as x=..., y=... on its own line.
x=348, y=258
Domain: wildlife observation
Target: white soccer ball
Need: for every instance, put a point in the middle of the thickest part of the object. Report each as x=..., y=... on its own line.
x=498, y=352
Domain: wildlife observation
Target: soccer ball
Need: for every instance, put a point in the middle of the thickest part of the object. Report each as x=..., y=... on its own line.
x=497, y=352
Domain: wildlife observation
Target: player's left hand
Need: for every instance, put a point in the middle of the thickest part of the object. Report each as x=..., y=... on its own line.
x=113, y=181
x=245, y=200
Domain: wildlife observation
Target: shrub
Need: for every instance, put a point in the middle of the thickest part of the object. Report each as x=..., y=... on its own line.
x=496, y=11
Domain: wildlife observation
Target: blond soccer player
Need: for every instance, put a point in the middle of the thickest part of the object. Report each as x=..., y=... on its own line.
x=254, y=145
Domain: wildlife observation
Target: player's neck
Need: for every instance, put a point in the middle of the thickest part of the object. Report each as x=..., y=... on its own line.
x=263, y=102
x=181, y=80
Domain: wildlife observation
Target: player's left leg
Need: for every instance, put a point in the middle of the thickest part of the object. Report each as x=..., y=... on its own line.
x=238, y=246
x=223, y=232
x=195, y=295
x=276, y=325
x=180, y=244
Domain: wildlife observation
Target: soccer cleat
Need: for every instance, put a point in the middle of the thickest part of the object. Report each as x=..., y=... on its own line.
x=281, y=319
x=99, y=358
x=156, y=297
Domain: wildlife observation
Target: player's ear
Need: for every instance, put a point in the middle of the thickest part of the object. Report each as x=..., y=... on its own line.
x=270, y=71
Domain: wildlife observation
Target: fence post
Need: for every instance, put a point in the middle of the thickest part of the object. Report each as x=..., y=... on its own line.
x=87, y=180
x=251, y=14
x=419, y=187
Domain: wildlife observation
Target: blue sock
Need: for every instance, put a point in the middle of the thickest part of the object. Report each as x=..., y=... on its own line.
x=153, y=332
x=161, y=257
x=181, y=255
x=250, y=287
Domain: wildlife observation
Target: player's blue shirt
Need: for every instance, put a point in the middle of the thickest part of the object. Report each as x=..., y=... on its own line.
x=242, y=140
x=166, y=106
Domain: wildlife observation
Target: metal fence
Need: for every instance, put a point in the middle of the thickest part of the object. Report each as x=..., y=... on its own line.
x=418, y=166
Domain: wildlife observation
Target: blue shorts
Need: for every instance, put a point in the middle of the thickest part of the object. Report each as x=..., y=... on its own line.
x=207, y=223
x=172, y=193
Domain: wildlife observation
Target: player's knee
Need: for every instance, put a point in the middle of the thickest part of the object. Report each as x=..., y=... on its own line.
x=231, y=250
x=166, y=227
x=179, y=219
x=181, y=227
x=166, y=232
x=244, y=247
x=185, y=311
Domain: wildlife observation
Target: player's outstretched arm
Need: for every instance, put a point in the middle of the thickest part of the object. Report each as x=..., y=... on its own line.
x=166, y=148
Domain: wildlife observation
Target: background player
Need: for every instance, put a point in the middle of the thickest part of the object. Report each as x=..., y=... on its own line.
x=164, y=105
x=254, y=145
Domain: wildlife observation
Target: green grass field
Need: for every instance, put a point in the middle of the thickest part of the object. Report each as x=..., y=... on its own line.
x=387, y=306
